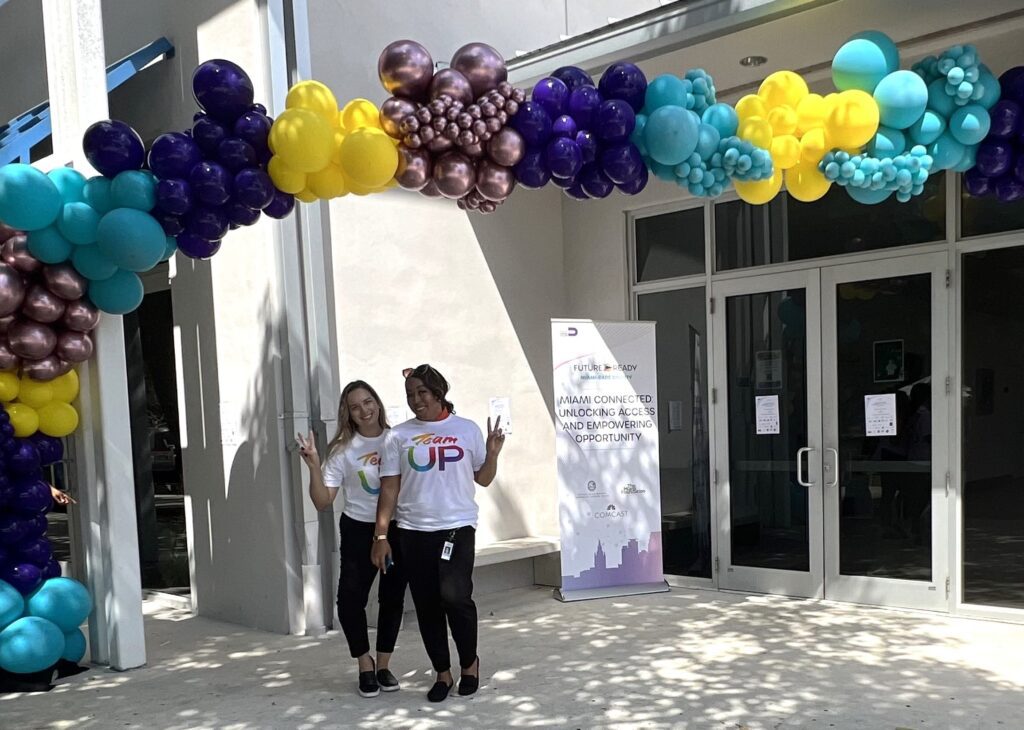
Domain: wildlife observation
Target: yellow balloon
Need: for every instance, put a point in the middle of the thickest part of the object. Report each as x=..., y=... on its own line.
x=806, y=183
x=285, y=178
x=761, y=191
x=783, y=119
x=302, y=139
x=368, y=158
x=785, y=151
x=853, y=120
x=811, y=113
x=814, y=144
x=360, y=113
x=35, y=393
x=339, y=137
x=306, y=196
x=315, y=97
x=58, y=419
x=751, y=105
x=783, y=88
x=9, y=386
x=757, y=131
x=65, y=387
x=328, y=183
x=24, y=418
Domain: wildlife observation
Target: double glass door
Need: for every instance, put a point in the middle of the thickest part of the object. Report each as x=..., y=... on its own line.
x=831, y=432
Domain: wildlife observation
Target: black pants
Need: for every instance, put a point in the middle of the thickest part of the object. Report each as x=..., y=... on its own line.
x=443, y=591
x=355, y=580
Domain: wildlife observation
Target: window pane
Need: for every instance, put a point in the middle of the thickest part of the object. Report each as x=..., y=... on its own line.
x=985, y=216
x=670, y=245
x=683, y=428
x=788, y=230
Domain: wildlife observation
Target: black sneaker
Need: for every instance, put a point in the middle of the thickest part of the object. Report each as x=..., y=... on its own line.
x=388, y=682
x=439, y=691
x=368, y=686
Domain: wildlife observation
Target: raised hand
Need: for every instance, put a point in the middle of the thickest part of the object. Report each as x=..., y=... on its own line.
x=495, y=438
x=307, y=449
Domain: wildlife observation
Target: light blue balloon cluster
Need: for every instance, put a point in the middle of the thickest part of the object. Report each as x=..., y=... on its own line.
x=702, y=90
x=743, y=161
x=38, y=630
x=960, y=70
x=699, y=179
x=871, y=180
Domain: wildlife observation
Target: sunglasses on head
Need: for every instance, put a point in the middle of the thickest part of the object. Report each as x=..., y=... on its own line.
x=417, y=371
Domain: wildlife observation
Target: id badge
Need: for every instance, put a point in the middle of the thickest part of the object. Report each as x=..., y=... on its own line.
x=446, y=551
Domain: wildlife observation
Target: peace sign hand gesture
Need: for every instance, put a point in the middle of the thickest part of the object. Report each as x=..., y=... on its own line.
x=495, y=438
x=307, y=449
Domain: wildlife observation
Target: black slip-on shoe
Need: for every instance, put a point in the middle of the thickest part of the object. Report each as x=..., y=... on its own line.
x=469, y=684
x=439, y=691
x=368, y=686
x=388, y=682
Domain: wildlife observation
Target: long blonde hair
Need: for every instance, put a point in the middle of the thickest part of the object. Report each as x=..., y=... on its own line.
x=346, y=426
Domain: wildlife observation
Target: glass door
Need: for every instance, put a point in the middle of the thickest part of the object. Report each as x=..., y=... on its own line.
x=768, y=462
x=885, y=416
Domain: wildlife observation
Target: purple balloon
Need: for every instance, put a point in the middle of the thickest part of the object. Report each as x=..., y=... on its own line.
x=595, y=182
x=196, y=247
x=622, y=162
x=624, y=81
x=50, y=449
x=588, y=145
x=583, y=104
x=36, y=551
x=614, y=120
x=637, y=184
x=573, y=77
x=994, y=157
x=254, y=128
x=211, y=183
x=171, y=223
x=563, y=157
x=552, y=94
x=576, y=192
x=208, y=133
x=52, y=570
x=1018, y=167
x=1012, y=84
x=254, y=188
x=280, y=206
x=173, y=155
x=13, y=528
x=207, y=223
x=532, y=123
x=532, y=171
x=25, y=577
x=33, y=497
x=564, y=126
x=222, y=89
x=240, y=214
x=977, y=184
x=235, y=154
x=112, y=147
x=564, y=182
x=1009, y=189
x=173, y=196
x=25, y=459
x=1005, y=116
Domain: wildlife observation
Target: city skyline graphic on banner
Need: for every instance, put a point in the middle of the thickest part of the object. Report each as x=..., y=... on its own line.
x=635, y=566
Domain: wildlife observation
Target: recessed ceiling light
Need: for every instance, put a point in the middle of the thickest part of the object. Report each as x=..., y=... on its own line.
x=753, y=61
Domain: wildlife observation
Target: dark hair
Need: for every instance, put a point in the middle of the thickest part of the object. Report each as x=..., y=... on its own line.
x=346, y=426
x=434, y=382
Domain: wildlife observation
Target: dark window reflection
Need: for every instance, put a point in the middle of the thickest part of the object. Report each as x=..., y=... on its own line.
x=670, y=245
x=986, y=216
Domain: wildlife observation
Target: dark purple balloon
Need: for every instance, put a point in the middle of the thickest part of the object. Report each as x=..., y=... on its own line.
x=208, y=133
x=171, y=223
x=52, y=570
x=977, y=184
x=196, y=247
x=254, y=188
x=583, y=104
x=576, y=192
x=564, y=126
x=235, y=154
x=173, y=196
x=25, y=459
x=253, y=127
x=1012, y=84
x=281, y=206
x=222, y=89
x=994, y=157
x=1009, y=189
x=25, y=577
x=564, y=182
x=211, y=183
x=259, y=109
x=573, y=77
x=1005, y=116
x=614, y=120
x=532, y=123
x=36, y=551
x=33, y=497
x=552, y=94
x=207, y=223
x=595, y=182
x=112, y=147
x=531, y=171
x=588, y=145
x=50, y=449
x=563, y=157
x=173, y=155
x=624, y=81
x=14, y=528
x=240, y=214
x=1018, y=167
x=622, y=162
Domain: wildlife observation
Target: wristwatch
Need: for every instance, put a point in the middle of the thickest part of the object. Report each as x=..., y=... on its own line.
x=378, y=538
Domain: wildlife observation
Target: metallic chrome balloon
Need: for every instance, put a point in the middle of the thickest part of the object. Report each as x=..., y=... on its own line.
x=405, y=69
x=451, y=82
x=74, y=346
x=430, y=189
x=506, y=147
x=81, y=316
x=473, y=150
x=31, y=340
x=414, y=168
x=455, y=174
x=12, y=291
x=6, y=232
x=482, y=65
x=5, y=322
x=392, y=112
x=495, y=182
x=64, y=281
x=440, y=143
x=42, y=305
x=15, y=253
x=8, y=360
x=44, y=369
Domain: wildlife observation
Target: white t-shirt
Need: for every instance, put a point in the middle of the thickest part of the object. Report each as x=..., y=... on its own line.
x=357, y=469
x=436, y=461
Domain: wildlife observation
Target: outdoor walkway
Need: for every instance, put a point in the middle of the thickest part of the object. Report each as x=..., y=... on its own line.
x=683, y=659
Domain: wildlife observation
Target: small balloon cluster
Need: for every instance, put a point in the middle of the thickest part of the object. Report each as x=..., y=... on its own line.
x=453, y=125
x=40, y=406
x=213, y=178
x=999, y=168
x=870, y=180
x=45, y=319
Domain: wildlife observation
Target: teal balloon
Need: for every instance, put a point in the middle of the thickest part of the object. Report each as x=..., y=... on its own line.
x=928, y=128
x=665, y=90
x=30, y=644
x=133, y=189
x=969, y=160
x=671, y=134
x=902, y=97
x=78, y=222
x=12, y=605
x=723, y=118
x=707, y=140
x=887, y=143
x=49, y=246
x=74, y=646
x=91, y=263
x=938, y=100
x=29, y=200
x=69, y=182
x=859, y=63
x=169, y=248
x=663, y=172
x=991, y=88
x=637, y=135
x=97, y=194
x=131, y=239
x=64, y=601
x=885, y=44
x=120, y=294
x=866, y=196
x=970, y=124
x=946, y=152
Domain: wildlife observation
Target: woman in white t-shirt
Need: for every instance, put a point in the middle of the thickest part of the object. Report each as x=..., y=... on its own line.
x=353, y=463
x=430, y=465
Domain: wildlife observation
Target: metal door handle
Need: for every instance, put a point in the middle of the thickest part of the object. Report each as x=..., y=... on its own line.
x=835, y=461
x=800, y=466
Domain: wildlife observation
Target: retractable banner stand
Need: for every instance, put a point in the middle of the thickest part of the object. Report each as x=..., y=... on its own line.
x=607, y=445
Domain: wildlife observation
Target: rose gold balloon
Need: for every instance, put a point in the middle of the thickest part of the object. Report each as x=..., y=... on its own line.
x=392, y=112
x=74, y=346
x=6, y=232
x=44, y=370
x=8, y=360
x=440, y=144
x=405, y=69
x=474, y=150
x=42, y=305
x=414, y=168
x=31, y=340
x=430, y=189
x=12, y=291
x=482, y=65
x=5, y=322
x=451, y=82
x=506, y=147
x=64, y=281
x=454, y=174
x=495, y=182
x=15, y=253
x=81, y=316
